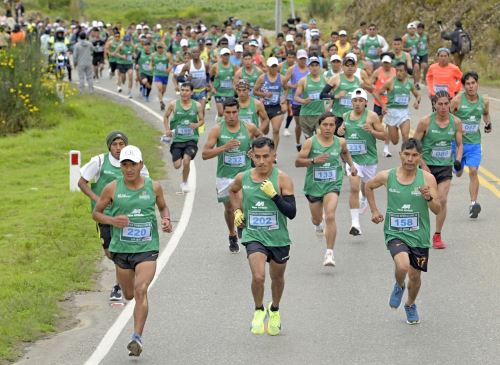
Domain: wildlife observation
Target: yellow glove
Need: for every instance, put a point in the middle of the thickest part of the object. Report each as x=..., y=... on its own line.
x=267, y=188
x=239, y=217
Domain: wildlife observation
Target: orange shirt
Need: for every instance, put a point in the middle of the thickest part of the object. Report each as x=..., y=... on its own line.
x=17, y=37
x=382, y=78
x=446, y=78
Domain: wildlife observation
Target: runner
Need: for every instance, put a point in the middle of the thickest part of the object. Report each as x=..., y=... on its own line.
x=335, y=67
x=410, y=44
x=373, y=45
x=124, y=54
x=110, y=48
x=248, y=72
x=437, y=131
x=361, y=127
x=182, y=121
x=263, y=199
x=251, y=109
x=272, y=90
x=411, y=192
x=145, y=68
x=162, y=65
x=98, y=53
x=134, y=233
x=221, y=75
x=230, y=142
x=396, y=109
x=400, y=55
x=443, y=76
x=422, y=52
x=323, y=154
x=197, y=71
x=469, y=106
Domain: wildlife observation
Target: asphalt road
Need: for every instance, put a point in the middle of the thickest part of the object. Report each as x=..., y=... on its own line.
x=201, y=305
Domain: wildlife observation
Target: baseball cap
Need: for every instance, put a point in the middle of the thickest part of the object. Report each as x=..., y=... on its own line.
x=342, y=32
x=145, y=26
x=411, y=26
x=335, y=57
x=201, y=41
x=443, y=49
x=313, y=60
x=131, y=153
x=138, y=27
x=158, y=26
x=314, y=32
x=208, y=41
x=350, y=56
x=115, y=135
x=238, y=48
x=387, y=59
x=272, y=61
x=100, y=24
x=184, y=43
x=254, y=43
x=224, y=51
x=301, y=53
x=289, y=38
x=127, y=38
x=357, y=93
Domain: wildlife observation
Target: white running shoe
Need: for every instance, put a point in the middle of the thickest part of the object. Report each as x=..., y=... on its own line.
x=363, y=204
x=320, y=228
x=329, y=260
x=184, y=187
x=387, y=153
x=286, y=132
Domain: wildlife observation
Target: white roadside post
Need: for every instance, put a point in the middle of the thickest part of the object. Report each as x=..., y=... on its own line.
x=74, y=170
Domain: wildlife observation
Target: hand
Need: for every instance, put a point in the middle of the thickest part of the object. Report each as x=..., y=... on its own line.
x=384, y=109
x=233, y=143
x=341, y=94
x=416, y=104
x=166, y=225
x=487, y=128
x=306, y=101
x=321, y=159
x=425, y=191
x=268, y=95
x=120, y=221
x=457, y=165
x=341, y=130
x=168, y=132
x=177, y=88
x=354, y=170
x=379, y=51
x=377, y=217
x=267, y=188
x=239, y=217
x=368, y=127
x=193, y=125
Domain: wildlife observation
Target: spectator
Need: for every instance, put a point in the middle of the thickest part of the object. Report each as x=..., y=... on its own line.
x=17, y=35
x=4, y=37
x=82, y=59
x=19, y=11
x=454, y=37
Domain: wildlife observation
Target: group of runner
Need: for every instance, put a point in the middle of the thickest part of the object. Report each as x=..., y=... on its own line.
x=324, y=88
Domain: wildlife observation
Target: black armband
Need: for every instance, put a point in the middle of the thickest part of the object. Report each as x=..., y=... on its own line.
x=286, y=205
x=325, y=93
x=410, y=71
x=212, y=78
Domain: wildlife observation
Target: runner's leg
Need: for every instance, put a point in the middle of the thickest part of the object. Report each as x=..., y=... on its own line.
x=257, y=261
x=144, y=274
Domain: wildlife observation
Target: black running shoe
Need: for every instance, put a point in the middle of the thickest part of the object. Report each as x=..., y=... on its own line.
x=233, y=244
x=474, y=210
x=116, y=294
x=355, y=231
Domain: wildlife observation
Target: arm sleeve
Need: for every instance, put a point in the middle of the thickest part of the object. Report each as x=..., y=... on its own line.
x=325, y=93
x=286, y=205
x=90, y=171
x=383, y=42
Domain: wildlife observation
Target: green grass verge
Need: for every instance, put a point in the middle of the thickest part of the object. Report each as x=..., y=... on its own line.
x=47, y=237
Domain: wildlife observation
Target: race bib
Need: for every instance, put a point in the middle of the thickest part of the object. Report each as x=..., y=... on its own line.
x=422, y=46
x=372, y=52
x=274, y=99
x=226, y=84
x=263, y=221
x=470, y=128
x=404, y=222
x=185, y=131
x=441, y=153
x=247, y=119
x=402, y=99
x=160, y=67
x=99, y=49
x=198, y=74
x=438, y=88
x=136, y=232
x=325, y=174
x=346, y=101
x=356, y=147
x=235, y=159
x=413, y=51
x=146, y=67
x=129, y=57
x=314, y=96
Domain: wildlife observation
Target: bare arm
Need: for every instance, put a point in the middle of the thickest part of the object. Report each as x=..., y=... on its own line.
x=379, y=180
x=257, y=87
x=235, y=196
x=85, y=188
x=419, y=134
x=303, y=159
x=166, y=224
x=264, y=118
x=430, y=192
x=486, y=114
x=166, y=117
x=346, y=155
x=285, y=184
x=299, y=91
x=104, y=200
x=374, y=126
x=459, y=148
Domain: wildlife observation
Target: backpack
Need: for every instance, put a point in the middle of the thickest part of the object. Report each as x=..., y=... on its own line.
x=464, y=43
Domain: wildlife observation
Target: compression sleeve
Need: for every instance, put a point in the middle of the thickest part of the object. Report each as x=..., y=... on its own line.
x=286, y=205
x=325, y=93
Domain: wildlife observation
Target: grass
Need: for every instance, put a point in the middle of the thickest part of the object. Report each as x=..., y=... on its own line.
x=47, y=237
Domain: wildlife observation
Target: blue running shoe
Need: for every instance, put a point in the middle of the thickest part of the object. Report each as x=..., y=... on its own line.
x=396, y=296
x=412, y=314
x=135, y=345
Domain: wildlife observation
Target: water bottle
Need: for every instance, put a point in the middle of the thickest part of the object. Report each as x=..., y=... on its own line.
x=166, y=139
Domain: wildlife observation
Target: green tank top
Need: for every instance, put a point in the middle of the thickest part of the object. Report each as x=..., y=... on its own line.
x=223, y=81
x=407, y=214
x=126, y=50
x=141, y=234
x=230, y=163
x=423, y=45
x=399, y=96
x=401, y=58
x=313, y=90
x=361, y=144
x=251, y=78
x=176, y=48
x=370, y=48
x=264, y=222
x=181, y=120
x=436, y=144
x=412, y=43
x=160, y=64
x=344, y=104
x=112, y=48
x=470, y=115
x=145, y=66
x=249, y=114
x=107, y=174
x=327, y=177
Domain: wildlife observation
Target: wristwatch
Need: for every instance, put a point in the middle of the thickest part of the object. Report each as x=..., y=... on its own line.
x=312, y=160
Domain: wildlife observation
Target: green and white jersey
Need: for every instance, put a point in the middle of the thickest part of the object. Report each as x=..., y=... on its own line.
x=436, y=144
x=412, y=43
x=181, y=120
x=398, y=59
x=470, y=114
x=423, y=45
x=324, y=178
x=141, y=234
x=399, y=96
x=264, y=222
x=223, y=81
x=370, y=48
x=251, y=78
x=407, y=214
x=107, y=174
x=160, y=64
x=112, y=48
x=126, y=50
x=344, y=104
x=313, y=90
x=230, y=163
x=145, y=63
x=249, y=113
x=360, y=143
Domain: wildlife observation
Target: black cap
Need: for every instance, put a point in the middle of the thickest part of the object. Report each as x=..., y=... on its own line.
x=116, y=135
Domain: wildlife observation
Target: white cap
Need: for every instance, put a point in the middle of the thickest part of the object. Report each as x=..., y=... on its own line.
x=94, y=23
x=301, y=53
x=272, y=61
x=357, y=93
x=289, y=38
x=138, y=27
x=342, y=32
x=224, y=51
x=238, y=48
x=312, y=60
x=350, y=56
x=387, y=59
x=100, y=24
x=314, y=32
x=335, y=57
x=411, y=26
x=131, y=153
x=184, y=43
x=254, y=43
x=145, y=26
x=158, y=26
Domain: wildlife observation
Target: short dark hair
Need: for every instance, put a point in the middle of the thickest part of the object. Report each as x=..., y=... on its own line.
x=440, y=94
x=263, y=142
x=334, y=33
x=280, y=35
x=363, y=23
x=82, y=35
x=229, y=102
x=247, y=54
x=468, y=74
x=421, y=25
x=398, y=39
x=325, y=115
x=402, y=64
x=410, y=144
x=291, y=52
x=187, y=84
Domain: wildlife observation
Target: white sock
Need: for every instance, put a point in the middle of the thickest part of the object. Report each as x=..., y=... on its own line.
x=355, y=217
x=472, y=202
x=329, y=251
x=386, y=147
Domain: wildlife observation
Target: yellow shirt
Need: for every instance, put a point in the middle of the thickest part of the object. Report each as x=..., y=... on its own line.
x=343, y=49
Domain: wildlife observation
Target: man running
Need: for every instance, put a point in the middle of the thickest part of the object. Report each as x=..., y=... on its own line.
x=411, y=192
x=251, y=109
x=443, y=76
x=197, y=71
x=162, y=65
x=145, y=67
x=422, y=53
x=230, y=142
x=437, y=131
x=469, y=106
x=410, y=44
x=182, y=121
x=221, y=75
x=263, y=199
x=373, y=45
x=135, y=242
x=323, y=154
x=124, y=54
x=248, y=72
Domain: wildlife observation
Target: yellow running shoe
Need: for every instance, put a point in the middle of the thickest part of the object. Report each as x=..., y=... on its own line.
x=201, y=129
x=258, y=322
x=274, y=324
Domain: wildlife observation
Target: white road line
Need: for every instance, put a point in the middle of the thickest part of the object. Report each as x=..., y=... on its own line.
x=114, y=331
x=494, y=98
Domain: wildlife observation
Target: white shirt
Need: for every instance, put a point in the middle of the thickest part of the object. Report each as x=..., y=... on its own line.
x=231, y=41
x=92, y=169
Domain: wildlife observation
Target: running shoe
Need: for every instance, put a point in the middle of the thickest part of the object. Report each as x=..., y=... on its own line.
x=355, y=231
x=298, y=147
x=135, y=345
x=320, y=228
x=363, y=204
x=146, y=99
x=274, y=323
x=129, y=94
x=396, y=296
x=233, y=244
x=286, y=132
x=259, y=317
x=387, y=153
x=116, y=294
x=119, y=89
x=184, y=187
x=162, y=105
x=239, y=231
x=474, y=210
x=437, y=242
x=329, y=260
x=412, y=314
